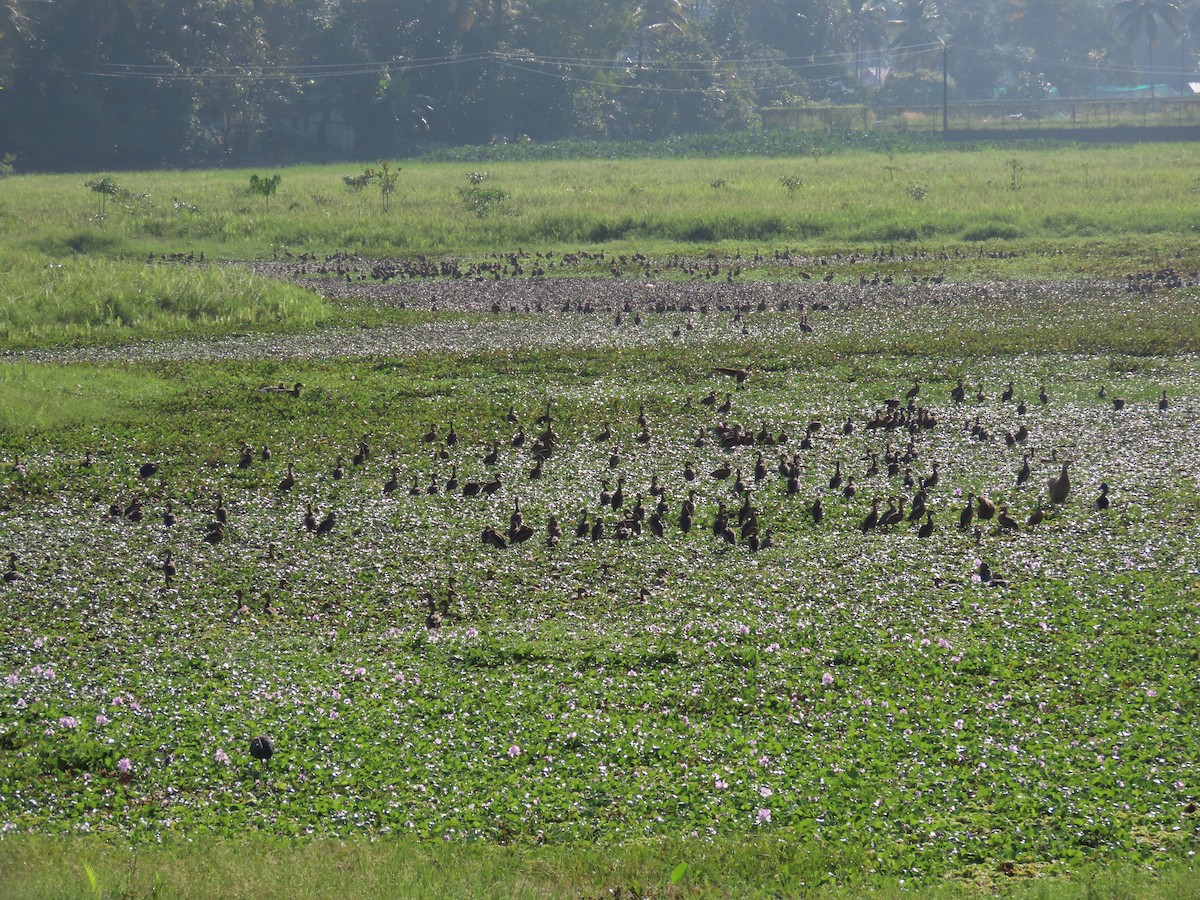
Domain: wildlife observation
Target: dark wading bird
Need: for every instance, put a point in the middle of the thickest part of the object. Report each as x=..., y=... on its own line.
x=262, y=748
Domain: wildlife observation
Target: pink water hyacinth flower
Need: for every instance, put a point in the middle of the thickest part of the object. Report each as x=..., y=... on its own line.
x=827, y=679
x=472, y=632
x=763, y=817
x=102, y=719
x=222, y=757
x=68, y=722
x=124, y=765
x=514, y=751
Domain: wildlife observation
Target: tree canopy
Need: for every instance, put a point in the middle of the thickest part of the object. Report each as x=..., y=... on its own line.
x=88, y=84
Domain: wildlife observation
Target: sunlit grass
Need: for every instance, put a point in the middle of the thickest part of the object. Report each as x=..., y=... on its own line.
x=94, y=298
x=855, y=198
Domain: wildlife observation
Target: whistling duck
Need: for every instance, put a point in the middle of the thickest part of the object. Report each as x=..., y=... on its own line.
x=339, y=470
x=926, y=529
x=835, y=480
x=818, y=511
x=1102, y=501
x=967, y=516
x=1005, y=520
x=393, y=483
x=872, y=519
x=310, y=519
x=985, y=508
x=618, y=496
x=1061, y=486
x=289, y=480
x=168, y=568
x=1024, y=473
x=12, y=573
x=326, y=524
x=1163, y=403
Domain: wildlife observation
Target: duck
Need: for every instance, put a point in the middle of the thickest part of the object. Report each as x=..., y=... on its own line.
x=326, y=524
x=872, y=519
x=835, y=481
x=1060, y=487
x=1005, y=520
x=1036, y=517
x=12, y=573
x=1024, y=472
x=1101, y=502
x=289, y=480
x=169, y=569
x=339, y=469
x=985, y=507
x=492, y=538
x=967, y=516
x=1163, y=402
x=926, y=528
x=817, y=510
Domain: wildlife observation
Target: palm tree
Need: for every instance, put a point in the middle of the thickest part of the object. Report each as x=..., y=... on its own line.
x=869, y=29
x=658, y=17
x=1136, y=17
x=914, y=29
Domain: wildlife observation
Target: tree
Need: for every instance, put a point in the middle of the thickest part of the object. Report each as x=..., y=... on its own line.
x=1142, y=17
x=868, y=27
x=914, y=38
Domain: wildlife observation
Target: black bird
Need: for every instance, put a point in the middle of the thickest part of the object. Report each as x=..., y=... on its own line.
x=215, y=533
x=818, y=511
x=927, y=528
x=12, y=573
x=1024, y=473
x=1102, y=501
x=326, y=524
x=493, y=538
x=148, y=469
x=262, y=748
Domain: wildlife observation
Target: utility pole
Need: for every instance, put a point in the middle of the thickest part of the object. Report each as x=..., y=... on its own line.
x=945, y=89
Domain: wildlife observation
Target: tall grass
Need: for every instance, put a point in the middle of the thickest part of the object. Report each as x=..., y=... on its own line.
x=261, y=869
x=90, y=297
x=1143, y=194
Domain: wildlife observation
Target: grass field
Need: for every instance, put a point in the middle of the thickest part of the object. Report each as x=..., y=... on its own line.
x=764, y=705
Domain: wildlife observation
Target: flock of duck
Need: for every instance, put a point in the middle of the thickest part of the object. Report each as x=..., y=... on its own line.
x=753, y=461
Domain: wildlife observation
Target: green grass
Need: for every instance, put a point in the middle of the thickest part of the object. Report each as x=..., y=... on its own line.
x=677, y=869
x=1137, y=195
x=842, y=714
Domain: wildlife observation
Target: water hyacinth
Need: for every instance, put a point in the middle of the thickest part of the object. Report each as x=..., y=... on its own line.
x=632, y=672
